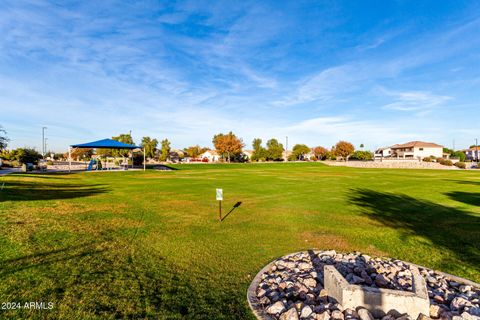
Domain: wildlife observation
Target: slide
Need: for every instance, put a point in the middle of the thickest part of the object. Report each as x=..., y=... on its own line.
x=90, y=164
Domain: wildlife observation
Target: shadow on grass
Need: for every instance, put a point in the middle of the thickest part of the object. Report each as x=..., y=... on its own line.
x=114, y=280
x=46, y=258
x=473, y=183
x=28, y=191
x=161, y=167
x=235, y=206
x=447, y=228
x=472, y=198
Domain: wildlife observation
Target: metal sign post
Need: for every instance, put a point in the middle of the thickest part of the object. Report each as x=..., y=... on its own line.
x=219, y=199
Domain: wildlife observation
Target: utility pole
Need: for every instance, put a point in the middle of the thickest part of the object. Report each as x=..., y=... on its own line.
x=43, y=142
x=476, y=149
x=286, y=148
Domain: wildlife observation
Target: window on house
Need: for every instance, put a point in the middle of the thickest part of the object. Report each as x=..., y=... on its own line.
x=421, y=149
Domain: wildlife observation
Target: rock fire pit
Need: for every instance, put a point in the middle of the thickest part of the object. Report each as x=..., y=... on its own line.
x=295, y=287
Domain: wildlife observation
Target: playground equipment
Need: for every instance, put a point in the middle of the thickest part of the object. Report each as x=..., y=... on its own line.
x=104, y=144
x=94, y=162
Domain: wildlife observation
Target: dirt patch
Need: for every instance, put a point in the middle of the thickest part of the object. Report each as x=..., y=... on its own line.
x=327, y=240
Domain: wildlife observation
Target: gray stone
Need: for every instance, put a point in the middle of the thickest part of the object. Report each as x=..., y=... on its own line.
x=474, y=311
x=381, y=281
x=435, y=311
x=350, y=313
x=261, y=293
x=304, y=266
x=364, y=314
x=330, y=253
x=337, y=315
x=468, y=316
x=323, y=316
x=357, y=280
x=438, y=299
x=276, y=308
x=291, y=314
x=421, y=316
x=459, y=303
x=310, y=282
x=465, y=288
x=306, y=312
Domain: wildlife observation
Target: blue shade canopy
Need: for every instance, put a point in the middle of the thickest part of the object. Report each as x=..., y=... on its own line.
x=105, y=143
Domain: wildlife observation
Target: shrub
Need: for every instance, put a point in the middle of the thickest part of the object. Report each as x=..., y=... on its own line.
x=459, y=155
x=447, y=163
x=427, y=159
x=461, y=165
x=440, y=160
x=50, y=163
x=361, y=155
x=137, y=159
x=27, y=155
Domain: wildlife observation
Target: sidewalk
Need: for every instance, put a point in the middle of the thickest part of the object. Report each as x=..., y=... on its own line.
x=6, y=171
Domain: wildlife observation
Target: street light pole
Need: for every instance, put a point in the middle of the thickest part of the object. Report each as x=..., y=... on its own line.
x=43, y=142
x=476, y=149
x=286, y=148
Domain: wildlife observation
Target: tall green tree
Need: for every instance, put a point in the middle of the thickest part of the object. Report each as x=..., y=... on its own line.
x=165, y=150
x=259, y=152
x=299, y=151
x=3, y=138
x=149, y=145
x=125, y=138
x=274, y=150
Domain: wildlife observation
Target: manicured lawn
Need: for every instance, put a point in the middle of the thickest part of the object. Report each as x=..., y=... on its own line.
x=149, y=244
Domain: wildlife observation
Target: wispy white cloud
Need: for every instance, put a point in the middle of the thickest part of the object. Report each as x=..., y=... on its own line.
x=417, y=101
x=191, y=69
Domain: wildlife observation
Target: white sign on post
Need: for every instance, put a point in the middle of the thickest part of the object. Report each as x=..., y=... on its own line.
x=219, y=194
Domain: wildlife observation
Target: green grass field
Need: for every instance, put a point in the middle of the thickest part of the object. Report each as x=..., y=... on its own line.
x=149, y=244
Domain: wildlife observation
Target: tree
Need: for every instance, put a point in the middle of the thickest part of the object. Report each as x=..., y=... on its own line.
x=3, y=138
x=165, y=150
x=299, y=151
x=27, y=155
x=195, y=151
x=149, y=145
x=459, y=155
x=79, y=153
x=361, y=146
x=228, y=145
x=344, y=149
x=274, y=150
x=446, y=150
x=320, y=152
x=125, y=138
x=259, y=152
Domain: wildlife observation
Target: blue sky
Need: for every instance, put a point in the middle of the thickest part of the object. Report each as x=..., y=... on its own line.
x=372, y=72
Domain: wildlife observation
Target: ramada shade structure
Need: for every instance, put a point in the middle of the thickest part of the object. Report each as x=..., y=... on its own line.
x=104, y=144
